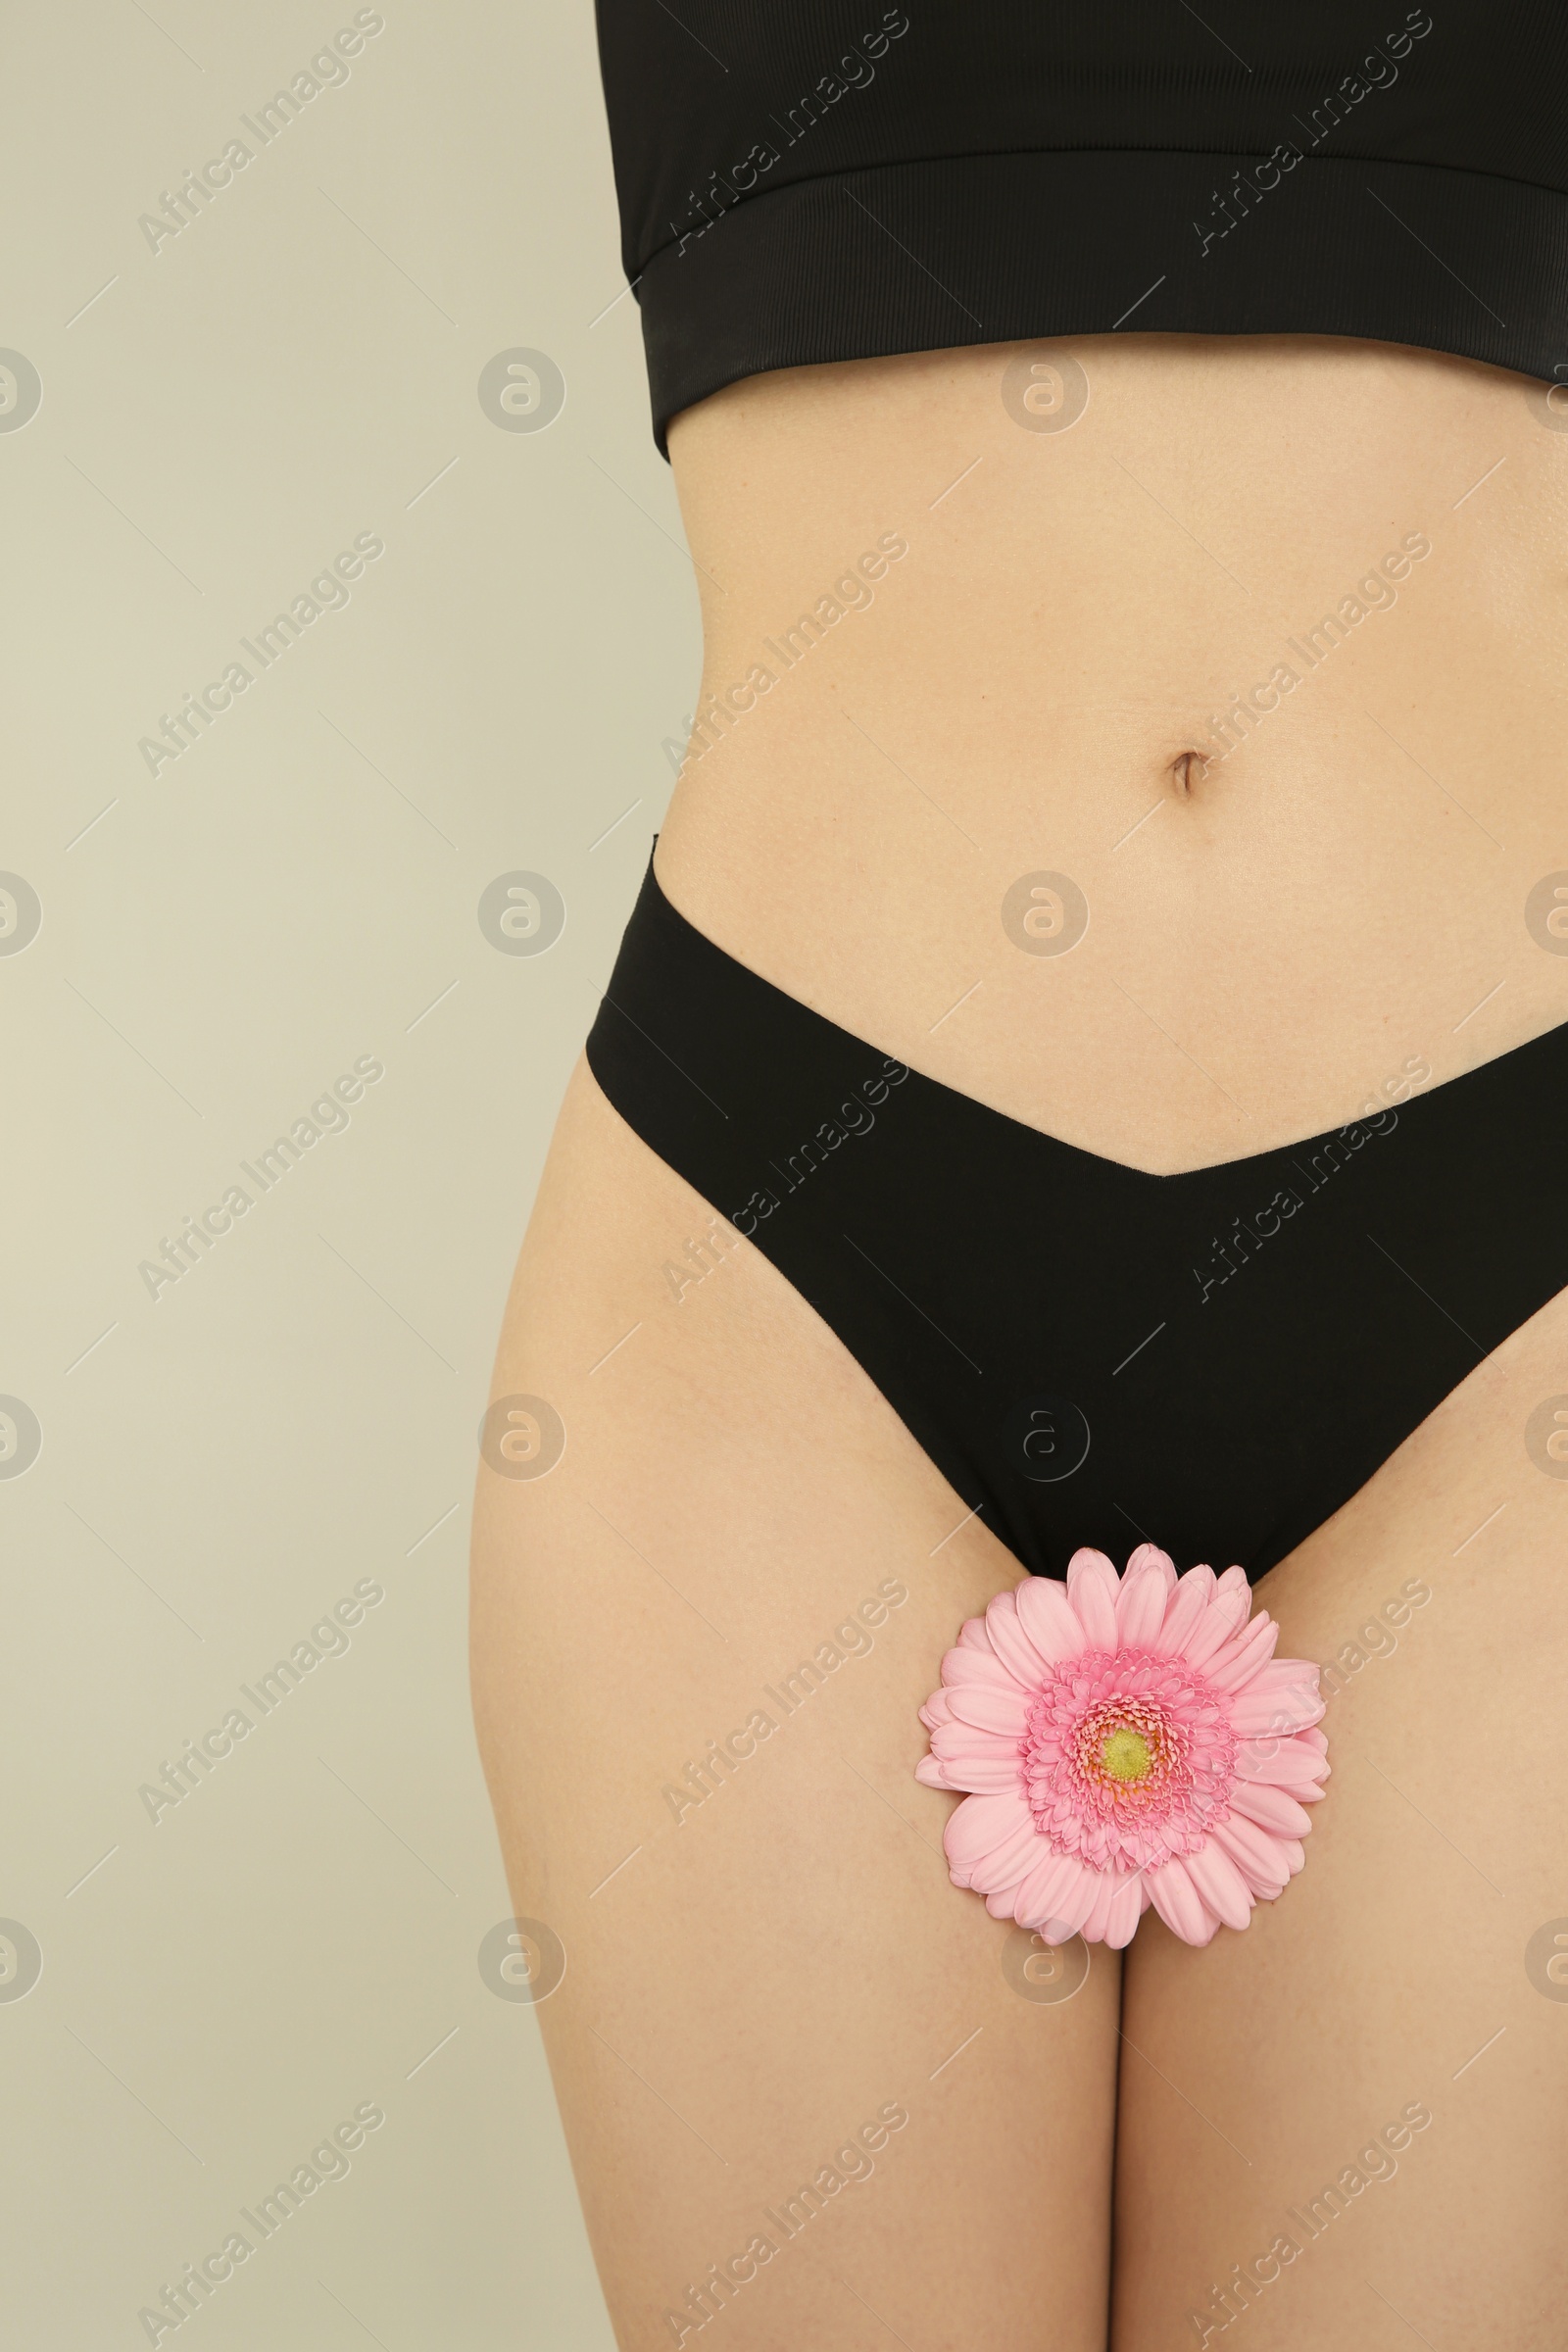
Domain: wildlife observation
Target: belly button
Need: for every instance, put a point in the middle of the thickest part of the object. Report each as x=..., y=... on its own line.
x=1185, y=772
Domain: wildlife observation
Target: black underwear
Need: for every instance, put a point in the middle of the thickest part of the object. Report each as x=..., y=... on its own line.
x=1214, y=1361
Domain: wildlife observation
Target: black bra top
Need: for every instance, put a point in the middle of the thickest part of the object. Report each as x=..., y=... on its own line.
x=836, y=180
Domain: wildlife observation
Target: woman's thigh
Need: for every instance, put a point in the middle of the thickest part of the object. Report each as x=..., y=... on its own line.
x=799, y=2072
x=1360, y=2098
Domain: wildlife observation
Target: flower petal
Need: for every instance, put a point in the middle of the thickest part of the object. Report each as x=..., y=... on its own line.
x=1230, y=1668
x=1183, y=1610
x=1049, y=1620
x=1003, y=1712
x=984, y=1768
x=1002, y=1870
x=1009, y=1639
x=1070, y=1905
x=1279, y=1674
x=1255, y=1712
x=1149, y=1555
x=1047, y=1881
x=1271, y=1808
x=1179, y=1904
x=1283, y=1764
x=1140, y=1600
x=980, y=1827
x=1258, y=1857
x=972, y=1634
x=1289, y=1857
x=1221, y=1884
x=1127, y=1907
x=1226, y=1614
x=978, y=1666
x=1094, y=1927
x=1092, y=1589
x=930, y=1772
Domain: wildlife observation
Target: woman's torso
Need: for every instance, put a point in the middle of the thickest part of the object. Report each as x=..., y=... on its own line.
x=1108, y=545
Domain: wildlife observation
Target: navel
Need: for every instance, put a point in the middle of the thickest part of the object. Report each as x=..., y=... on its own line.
x=1185, y=772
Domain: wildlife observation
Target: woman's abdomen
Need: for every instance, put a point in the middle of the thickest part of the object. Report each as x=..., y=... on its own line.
x=1154, y=737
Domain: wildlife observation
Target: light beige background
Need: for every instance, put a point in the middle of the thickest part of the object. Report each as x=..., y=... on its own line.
x=221, y=1464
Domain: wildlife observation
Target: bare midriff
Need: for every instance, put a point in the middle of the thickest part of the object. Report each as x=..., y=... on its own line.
x=1161, y=739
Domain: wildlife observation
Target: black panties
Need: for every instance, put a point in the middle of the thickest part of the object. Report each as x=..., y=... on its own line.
x=1214, y=1360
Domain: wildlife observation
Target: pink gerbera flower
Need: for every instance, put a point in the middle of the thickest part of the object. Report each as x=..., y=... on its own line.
x=1122, y=1741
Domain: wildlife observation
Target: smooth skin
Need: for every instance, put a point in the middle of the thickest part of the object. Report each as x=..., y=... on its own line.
x=764, y=1978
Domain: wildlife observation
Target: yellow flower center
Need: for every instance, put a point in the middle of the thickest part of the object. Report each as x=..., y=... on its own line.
x=1125, y=1755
